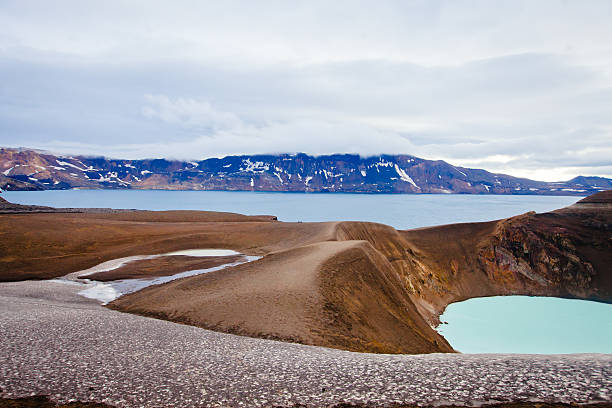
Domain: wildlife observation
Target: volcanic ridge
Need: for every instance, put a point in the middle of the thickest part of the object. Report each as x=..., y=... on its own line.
x=350, y=285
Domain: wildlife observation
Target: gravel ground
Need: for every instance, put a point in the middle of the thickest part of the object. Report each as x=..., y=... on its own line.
x=58, y=343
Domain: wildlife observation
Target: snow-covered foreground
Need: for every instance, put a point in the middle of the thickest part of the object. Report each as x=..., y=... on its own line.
x=59, y=343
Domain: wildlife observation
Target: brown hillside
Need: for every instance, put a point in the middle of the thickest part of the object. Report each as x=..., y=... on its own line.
x=42, y=246
x=335, y=294
x=351, y=285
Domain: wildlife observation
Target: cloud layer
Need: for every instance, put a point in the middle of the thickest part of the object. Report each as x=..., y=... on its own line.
x=518, y=87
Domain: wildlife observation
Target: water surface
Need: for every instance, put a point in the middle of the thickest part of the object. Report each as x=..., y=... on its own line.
x=402, y=211
x=524, y=324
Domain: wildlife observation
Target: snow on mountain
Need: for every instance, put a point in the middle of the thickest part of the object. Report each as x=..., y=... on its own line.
x=30, y=170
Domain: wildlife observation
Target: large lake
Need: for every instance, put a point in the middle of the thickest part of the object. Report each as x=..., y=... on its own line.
x=498, y=324
x=401, y=211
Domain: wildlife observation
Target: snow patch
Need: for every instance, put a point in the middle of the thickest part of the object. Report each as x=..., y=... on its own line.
x=465, y=175
x=573, y=189
x=103, y=292
x=63, y=163
x=405, y=177
x=384, y=163
x=257, y=167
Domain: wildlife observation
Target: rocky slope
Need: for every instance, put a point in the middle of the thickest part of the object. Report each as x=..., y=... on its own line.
x=565, y=253
x=31, y=170
x=350, y=285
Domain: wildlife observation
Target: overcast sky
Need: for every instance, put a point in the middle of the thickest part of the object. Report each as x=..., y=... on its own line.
x=520, y=87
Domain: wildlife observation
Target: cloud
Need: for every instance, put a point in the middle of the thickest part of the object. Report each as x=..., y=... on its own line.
x=478, y=84
x=189, y=113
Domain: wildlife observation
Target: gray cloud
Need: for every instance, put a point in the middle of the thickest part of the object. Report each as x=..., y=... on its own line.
x=510, y=86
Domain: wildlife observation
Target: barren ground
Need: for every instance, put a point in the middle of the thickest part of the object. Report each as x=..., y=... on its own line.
x=57, y=343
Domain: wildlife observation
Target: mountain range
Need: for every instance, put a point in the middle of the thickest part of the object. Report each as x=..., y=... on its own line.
x=25, y=169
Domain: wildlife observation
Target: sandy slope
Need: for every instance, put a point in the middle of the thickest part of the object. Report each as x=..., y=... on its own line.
x=341, y=294
x=350, y=285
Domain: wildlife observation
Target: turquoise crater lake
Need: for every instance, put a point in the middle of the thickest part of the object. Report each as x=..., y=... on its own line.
x=512, y=324
x=524, y=324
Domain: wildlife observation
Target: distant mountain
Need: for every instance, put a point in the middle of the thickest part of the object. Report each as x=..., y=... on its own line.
x=22, y=169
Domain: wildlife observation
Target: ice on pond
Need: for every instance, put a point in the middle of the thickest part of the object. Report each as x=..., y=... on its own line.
x=119, y=262
x=106, y=292
x=203, y=252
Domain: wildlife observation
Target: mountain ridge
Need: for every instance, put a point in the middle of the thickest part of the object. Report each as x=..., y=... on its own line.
x=28, y=169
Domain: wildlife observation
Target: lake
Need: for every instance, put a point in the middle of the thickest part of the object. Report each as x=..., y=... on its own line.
x=498, y=324
x=402, y=211
x=524, y=324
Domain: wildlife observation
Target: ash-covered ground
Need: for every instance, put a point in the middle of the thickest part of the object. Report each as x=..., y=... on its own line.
x=56, y=342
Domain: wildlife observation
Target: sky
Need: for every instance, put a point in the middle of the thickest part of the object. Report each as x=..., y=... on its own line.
x=517, y=87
